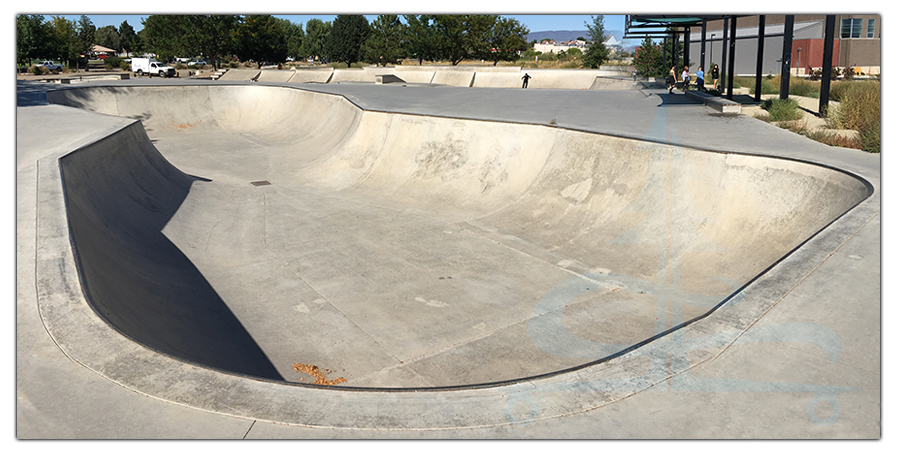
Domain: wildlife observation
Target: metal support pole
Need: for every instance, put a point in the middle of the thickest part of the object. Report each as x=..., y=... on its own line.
x=827, y=56
x=724, y=52
x=675, y=52
x=731, y=43
x=687, y=46
x=665, y=50
x=786, y=56
x=760, y=45
x=703, y=46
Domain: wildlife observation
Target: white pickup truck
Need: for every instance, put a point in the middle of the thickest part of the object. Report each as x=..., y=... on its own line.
x=141, y=66
x=51, y=66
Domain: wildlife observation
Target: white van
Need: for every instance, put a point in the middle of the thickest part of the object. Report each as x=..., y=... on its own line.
x=141, y=66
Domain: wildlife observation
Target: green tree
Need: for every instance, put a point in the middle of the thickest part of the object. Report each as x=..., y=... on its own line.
x=128, y=39
x=211, y=36
x=507, y=39
x=86, y=36
x=261, y=38
x=648, y=59
x=316, y=40
x=420, y=38
x=32, y=39
x=385, y=43
x=64, y=40
x=108, y=36
x=294, y=37
x=166, y=35
x=597, y=53
x=461, y=37
x=348, y=34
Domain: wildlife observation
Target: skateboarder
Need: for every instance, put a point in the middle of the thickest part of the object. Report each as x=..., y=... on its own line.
x=525, y=79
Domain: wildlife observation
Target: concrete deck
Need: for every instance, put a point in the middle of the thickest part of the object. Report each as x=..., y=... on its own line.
x=405, y=278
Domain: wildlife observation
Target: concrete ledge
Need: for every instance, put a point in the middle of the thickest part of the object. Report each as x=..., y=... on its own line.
x=388, y=79
x=715, y=102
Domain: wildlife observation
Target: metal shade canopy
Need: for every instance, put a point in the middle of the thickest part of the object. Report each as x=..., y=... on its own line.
x=658, y=26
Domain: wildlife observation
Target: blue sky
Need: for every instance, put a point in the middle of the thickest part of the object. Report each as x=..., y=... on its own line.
x=534, y=22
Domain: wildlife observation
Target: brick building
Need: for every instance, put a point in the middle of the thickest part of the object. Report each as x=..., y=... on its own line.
x=857, y=43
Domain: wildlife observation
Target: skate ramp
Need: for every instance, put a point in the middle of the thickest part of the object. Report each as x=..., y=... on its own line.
x=498, y=79
x=453, y=78
x=240, y=75
x=412, y=251
x=314, y=75
x=612, y=83
x=275, y=75
x=137, y=280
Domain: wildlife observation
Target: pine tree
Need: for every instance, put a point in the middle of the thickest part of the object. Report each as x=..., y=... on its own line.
x=348, y=34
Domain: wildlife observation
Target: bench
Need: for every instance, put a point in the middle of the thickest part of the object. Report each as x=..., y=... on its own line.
x=715, y=102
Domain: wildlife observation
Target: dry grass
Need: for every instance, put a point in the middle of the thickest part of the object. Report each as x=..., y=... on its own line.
x=860, y=110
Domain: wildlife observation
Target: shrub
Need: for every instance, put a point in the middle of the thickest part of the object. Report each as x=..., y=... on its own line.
x=767, y=86
x=848, y=73
x=803, y=87
x=861, y=105
x=860, y=110
x=115, y=62
x=870, y=138
x=547, y=57
x=36, y=70
x=839, y=89
x=816, y=74
x=782, y=110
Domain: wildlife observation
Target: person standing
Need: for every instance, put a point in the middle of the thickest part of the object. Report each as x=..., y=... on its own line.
x=715, y=75
x=525, y=79
x=685, y=79
x=700, y=81
x=670, y=79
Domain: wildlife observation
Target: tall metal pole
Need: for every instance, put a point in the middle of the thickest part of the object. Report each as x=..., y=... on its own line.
x=724, y=51
x=827, y=56
x=675, y=51
x=760, y=45
x=703, y=46
x=786, y=56
x=731, y=43
x=665, y=50
x=687, y=46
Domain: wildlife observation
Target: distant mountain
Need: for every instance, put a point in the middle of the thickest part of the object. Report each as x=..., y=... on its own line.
x=562, y=36
x=559, y=36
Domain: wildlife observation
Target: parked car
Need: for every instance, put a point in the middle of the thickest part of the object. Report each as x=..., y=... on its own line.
x=141, y=66
x=51, y=66
x=197, y=63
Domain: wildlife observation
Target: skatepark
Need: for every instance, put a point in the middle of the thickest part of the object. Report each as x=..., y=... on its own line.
x=474, y=262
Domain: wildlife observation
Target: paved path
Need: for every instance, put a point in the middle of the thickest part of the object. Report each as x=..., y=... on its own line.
x=789, y=386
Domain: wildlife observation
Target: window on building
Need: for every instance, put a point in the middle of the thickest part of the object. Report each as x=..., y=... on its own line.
x=871, y=31
x=851, y=28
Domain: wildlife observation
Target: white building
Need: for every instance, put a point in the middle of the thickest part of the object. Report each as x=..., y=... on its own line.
x=552, y=46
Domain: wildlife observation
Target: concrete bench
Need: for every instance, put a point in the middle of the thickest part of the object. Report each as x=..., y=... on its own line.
x=715, y=102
